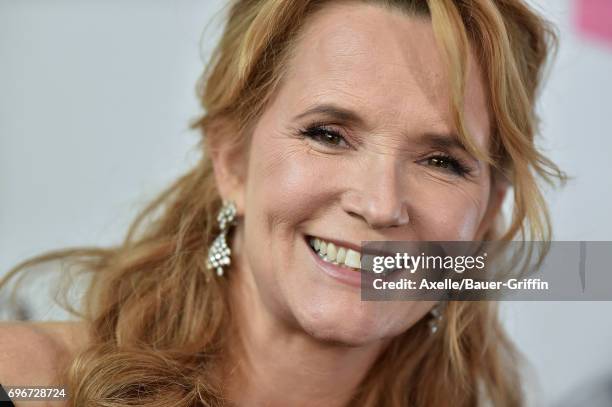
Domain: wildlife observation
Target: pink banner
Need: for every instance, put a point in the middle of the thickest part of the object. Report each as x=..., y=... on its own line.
x=594, y=19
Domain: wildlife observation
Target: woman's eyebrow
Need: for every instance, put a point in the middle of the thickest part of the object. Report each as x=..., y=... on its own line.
x=442, y=141
x=336, y=112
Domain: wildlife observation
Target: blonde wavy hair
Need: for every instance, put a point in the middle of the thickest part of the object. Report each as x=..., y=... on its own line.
x=159, y=319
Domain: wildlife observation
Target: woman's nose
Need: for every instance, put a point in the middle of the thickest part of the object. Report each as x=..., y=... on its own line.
x=377, y=196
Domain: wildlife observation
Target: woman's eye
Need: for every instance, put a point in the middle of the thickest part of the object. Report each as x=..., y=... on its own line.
x=448, y=163
x=325, y=136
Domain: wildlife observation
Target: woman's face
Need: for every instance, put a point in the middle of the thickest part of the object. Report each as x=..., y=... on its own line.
x=357, y=145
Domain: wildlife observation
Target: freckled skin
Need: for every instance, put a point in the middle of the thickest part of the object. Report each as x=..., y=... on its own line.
x=385, y=66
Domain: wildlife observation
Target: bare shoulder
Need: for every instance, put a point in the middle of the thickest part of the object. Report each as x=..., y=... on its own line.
x=32, y=353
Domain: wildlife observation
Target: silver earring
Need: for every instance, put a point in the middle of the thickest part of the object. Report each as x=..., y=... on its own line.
x=219, y=252
x=436, y=319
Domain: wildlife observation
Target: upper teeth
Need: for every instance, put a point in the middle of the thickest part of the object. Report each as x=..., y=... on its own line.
x=336, y=254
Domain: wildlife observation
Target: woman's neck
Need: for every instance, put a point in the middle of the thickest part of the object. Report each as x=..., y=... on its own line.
x=272, y=364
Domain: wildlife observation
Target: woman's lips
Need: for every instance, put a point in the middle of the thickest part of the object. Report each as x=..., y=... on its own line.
x=358, y=277
x=351, y=277
x=347, y=255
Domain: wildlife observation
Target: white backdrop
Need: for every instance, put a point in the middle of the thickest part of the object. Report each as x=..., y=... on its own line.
x=95, y=101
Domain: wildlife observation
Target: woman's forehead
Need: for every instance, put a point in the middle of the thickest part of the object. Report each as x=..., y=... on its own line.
x=381, y=62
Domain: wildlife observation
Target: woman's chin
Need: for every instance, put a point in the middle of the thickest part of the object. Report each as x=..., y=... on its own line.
x=356, y=327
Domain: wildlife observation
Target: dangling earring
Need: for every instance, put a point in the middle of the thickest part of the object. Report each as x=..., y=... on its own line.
x=436, y=318
x=219, y=252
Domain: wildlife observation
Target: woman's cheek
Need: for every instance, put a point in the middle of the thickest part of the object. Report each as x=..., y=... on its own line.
x=447, y=215
x=292, y=180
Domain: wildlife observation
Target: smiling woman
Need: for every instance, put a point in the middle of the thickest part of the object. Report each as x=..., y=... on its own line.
x=327, y=123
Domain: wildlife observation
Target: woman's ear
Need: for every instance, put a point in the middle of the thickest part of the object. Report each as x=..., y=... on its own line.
x=228, y=152
x=497, y=194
